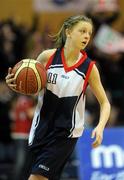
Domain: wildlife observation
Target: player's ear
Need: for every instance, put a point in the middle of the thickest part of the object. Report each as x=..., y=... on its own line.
x=68, y=32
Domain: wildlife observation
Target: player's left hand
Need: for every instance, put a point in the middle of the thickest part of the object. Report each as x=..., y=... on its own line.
x=97, y=133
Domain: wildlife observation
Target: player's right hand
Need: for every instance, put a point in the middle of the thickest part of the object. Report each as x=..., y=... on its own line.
x=10, y=80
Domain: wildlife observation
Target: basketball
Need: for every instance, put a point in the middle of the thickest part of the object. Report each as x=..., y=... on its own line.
x=30, y=76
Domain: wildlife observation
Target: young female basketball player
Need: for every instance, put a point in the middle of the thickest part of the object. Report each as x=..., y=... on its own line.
x=59, y=116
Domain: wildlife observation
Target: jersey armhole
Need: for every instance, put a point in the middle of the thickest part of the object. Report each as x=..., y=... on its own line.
x=50, y=60
x=88, y=74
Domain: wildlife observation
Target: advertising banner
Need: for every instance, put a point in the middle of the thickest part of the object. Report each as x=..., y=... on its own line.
x=105, y=162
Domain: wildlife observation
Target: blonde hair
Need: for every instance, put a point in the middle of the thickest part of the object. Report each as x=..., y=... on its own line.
x=60, y=37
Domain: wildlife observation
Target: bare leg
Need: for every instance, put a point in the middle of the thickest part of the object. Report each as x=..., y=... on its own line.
x=37, y=177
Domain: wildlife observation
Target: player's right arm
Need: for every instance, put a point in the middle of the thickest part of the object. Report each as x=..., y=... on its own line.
x=45, y=55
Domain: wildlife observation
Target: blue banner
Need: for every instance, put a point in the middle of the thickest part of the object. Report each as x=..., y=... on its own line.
x=105, y=162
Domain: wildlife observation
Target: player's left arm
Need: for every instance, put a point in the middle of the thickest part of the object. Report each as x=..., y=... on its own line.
x=98, y=90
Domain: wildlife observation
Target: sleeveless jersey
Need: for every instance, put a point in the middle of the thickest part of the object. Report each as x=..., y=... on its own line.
x=60, y=108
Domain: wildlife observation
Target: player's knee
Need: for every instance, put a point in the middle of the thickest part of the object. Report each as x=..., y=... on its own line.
x=37, y=177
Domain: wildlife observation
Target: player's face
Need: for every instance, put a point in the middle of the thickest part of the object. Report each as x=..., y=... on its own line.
x=80, y=34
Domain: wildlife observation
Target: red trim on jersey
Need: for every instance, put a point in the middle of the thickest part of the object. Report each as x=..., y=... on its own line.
x=81, y=60
x=50, y=61
x=87, y=75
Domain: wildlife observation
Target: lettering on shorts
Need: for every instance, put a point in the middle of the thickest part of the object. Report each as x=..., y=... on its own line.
x=43, y=167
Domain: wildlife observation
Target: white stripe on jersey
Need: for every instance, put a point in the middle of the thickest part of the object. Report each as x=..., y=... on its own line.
x=80, y=72
x=79, y=118
x=57, y=65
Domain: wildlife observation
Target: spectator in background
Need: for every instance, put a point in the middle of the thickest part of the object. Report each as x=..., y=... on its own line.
x=21, y=114
x=12, y=45
x=7, y=53
x=37, y=41
x=34, y=44
x=47, y=42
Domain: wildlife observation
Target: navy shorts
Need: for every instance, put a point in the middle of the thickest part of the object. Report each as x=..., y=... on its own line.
x=51, y=158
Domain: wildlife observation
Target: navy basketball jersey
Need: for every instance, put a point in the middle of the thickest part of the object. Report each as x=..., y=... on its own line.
x=60, y=108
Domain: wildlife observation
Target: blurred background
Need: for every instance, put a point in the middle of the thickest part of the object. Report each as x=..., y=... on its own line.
x=25, y=26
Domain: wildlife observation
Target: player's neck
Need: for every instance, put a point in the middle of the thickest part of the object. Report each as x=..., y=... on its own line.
x=71, y=54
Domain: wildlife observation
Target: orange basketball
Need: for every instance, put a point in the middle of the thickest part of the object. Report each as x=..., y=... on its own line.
x=30, y=76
